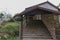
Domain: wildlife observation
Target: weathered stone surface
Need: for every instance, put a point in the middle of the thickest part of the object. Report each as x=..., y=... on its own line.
x=48, y=20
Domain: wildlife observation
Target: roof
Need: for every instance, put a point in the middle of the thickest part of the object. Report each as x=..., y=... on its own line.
x=42, y=4
x=46, y=6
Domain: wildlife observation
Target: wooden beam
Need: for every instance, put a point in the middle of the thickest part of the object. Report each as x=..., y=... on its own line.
x=21, y=29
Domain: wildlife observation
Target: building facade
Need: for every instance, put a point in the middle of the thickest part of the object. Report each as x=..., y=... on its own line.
x=40, y=22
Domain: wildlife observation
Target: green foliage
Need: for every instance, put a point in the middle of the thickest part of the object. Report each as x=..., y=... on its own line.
x=12, y=25
x=10, y=28
x=1, y=14
x=8, y=38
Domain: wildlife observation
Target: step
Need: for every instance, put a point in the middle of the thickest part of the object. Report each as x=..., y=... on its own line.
x=37, y=36
x=35, y=39
x=40, y=32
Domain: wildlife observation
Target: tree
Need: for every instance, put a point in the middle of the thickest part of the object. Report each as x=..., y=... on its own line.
x=1, y=15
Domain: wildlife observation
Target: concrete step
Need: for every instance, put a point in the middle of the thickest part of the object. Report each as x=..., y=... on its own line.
x=36, y=30
x=35, y=39
x=37, y=36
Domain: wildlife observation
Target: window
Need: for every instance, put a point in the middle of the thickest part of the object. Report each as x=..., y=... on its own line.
x=37, y=17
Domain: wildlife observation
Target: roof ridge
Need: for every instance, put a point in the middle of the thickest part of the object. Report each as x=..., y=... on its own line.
x=36, y=5
x=41, y=4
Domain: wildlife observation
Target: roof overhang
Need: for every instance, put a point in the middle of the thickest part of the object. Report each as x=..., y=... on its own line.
x=32, y=8
x=40, y=8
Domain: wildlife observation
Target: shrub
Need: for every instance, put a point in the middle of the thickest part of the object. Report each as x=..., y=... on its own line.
x=11, y=28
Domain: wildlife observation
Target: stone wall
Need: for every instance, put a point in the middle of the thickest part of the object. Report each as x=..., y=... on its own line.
x=50, y=20
x=57, y=27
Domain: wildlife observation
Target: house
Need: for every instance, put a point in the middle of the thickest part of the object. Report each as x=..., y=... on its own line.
x=40, y=22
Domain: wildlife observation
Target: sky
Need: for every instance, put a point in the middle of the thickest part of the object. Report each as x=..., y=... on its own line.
x=17, y=6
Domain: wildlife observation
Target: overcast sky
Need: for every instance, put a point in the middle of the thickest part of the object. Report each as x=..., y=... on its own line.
x=17, y=6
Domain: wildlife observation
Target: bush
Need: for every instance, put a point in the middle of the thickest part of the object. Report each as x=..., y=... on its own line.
x=10, y=28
